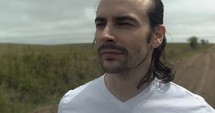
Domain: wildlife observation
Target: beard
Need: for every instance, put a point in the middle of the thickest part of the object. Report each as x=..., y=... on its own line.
x=115, y=69
x=117, y=66
x=121, y=65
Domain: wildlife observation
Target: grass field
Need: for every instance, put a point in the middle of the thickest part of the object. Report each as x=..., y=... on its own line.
x=32, y=76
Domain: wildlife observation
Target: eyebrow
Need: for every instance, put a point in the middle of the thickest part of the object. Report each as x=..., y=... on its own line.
x=118, y=18
x=100, y=19
x=126, y=18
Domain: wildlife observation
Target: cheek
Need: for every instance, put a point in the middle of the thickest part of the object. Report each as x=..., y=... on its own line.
x=96, y=36
x=141, y=47
x=97, y=39
x=138, y=50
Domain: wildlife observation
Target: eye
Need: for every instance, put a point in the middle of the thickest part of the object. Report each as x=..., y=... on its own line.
x=100, y=24
x=124, y=24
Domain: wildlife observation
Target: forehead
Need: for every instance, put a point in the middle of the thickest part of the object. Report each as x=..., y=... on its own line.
x=123, y=7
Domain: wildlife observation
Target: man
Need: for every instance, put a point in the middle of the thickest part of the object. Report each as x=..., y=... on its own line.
x=130, y=37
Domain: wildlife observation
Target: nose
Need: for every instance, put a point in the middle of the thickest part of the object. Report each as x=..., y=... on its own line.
x=107, y=34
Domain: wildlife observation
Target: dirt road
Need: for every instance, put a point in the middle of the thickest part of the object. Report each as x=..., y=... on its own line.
x=197, y=74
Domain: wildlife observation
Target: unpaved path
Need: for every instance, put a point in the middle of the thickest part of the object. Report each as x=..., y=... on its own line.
x=197, y=74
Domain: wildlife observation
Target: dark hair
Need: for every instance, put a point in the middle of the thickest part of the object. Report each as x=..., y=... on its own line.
x=159, y=67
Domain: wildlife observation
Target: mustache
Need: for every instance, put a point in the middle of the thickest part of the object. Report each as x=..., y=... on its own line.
x=112, y=46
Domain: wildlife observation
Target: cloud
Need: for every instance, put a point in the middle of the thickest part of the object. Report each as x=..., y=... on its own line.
x=71, y=21
x=27, y=19
x=185, y=18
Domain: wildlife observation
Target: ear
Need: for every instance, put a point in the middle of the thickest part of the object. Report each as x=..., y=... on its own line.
x=158, y=36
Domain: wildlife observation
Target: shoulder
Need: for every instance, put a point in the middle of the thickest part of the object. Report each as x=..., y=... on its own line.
x=173, y=90
x=181, y=91
x=179, y=98
x=87, y=87
x=191, y=99
x=71, y=94
x=77, y=96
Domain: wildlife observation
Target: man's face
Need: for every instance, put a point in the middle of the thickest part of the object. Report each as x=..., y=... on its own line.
x=122, y=30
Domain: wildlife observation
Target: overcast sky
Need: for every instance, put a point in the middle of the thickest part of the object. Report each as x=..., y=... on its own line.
x=72, y=21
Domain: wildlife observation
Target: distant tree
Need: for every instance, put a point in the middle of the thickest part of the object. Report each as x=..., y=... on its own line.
x=203, y=42
x=193, y=42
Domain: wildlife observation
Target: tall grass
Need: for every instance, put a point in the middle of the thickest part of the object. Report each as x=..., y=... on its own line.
x=32, y=76
x=177, y=51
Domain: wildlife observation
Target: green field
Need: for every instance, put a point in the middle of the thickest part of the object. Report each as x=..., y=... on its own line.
x=33, y=76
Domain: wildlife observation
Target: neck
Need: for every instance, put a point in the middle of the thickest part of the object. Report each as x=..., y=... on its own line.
x=124, y=85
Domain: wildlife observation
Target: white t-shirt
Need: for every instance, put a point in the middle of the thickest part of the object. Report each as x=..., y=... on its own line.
x=94, y=97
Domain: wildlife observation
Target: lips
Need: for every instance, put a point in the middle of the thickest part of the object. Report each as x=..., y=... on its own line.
x=110, y=53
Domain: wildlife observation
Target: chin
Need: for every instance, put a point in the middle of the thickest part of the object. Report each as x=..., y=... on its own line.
x=113, y=69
